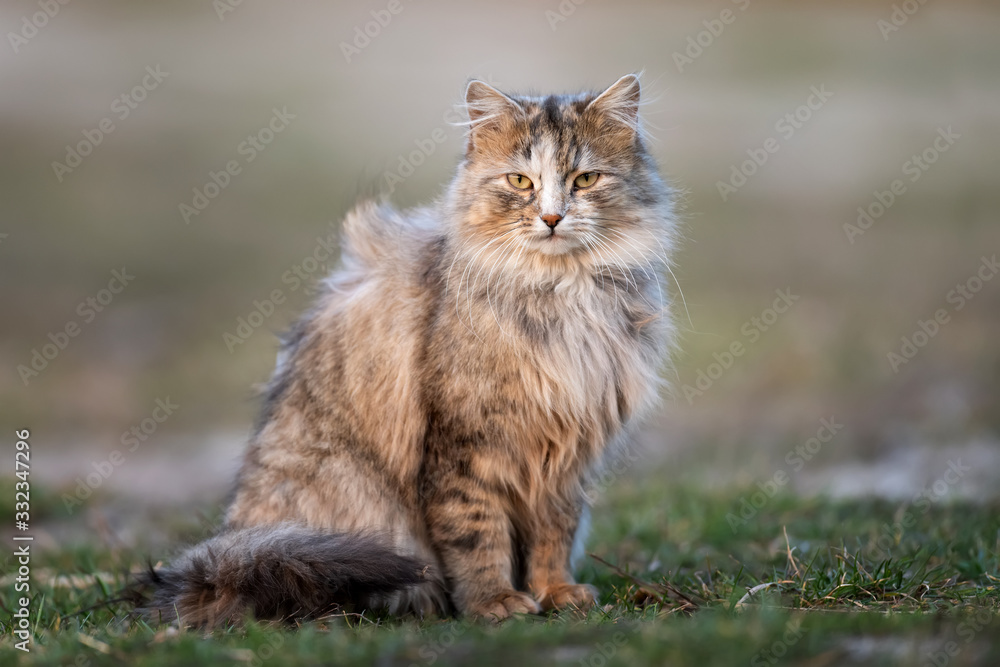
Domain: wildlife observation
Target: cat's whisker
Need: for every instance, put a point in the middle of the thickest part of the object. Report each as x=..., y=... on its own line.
x=662, y=255
x=470, y=290
x=468, y=267
x=628, y=268
x=471, y=261
x=489, y=276
x=592, y=243
x=664, y=307
x=667, y=265
x=647, y=260
x=681, y=292
x=648, y=264
x=600, y=267
x=518, y=253
x=639, y=264
x=460, y=253
x=620, y=263
x=513, y=255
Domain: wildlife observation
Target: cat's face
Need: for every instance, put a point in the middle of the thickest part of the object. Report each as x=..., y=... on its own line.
x=558, y=177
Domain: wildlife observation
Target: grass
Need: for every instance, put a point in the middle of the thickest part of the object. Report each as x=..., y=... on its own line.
x=804, y=582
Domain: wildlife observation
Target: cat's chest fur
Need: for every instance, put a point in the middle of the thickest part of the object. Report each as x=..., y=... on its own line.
x=585, y=349
x=570, y=359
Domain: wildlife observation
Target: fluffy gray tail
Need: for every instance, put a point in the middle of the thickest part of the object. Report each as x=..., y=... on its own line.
x=275, y=572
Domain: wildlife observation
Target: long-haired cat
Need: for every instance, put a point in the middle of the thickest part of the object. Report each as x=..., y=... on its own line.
x=433, y=424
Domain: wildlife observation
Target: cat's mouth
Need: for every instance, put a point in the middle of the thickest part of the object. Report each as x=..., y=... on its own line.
x=554, y=242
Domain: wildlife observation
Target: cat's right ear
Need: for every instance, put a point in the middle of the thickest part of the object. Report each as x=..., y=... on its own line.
x=490, y=111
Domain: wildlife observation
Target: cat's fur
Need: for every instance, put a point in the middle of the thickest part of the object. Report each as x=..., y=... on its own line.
x=432, y=425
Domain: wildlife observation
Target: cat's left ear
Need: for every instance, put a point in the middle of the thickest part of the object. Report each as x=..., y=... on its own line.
x=619, y=104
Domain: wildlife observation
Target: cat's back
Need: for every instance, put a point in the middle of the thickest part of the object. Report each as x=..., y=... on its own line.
x=388, y=248
x=375, y=311
x=346, y=386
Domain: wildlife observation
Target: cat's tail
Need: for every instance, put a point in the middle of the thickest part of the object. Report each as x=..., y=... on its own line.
x=278, y=572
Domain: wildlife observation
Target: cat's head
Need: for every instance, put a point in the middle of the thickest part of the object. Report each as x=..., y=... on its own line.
x=559, y=178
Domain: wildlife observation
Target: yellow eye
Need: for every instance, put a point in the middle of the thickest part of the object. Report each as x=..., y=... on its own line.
x=586, y=180
x=519, y=181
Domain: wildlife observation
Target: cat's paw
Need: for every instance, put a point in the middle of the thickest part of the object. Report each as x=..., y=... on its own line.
x=562, y=596
x=503, y=606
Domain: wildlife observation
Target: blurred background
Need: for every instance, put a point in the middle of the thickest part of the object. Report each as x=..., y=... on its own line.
x=143, y=283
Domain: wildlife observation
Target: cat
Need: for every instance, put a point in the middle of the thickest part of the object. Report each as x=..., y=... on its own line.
x=433, y=427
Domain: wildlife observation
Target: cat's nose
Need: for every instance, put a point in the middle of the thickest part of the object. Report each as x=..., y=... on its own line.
x=551, y=219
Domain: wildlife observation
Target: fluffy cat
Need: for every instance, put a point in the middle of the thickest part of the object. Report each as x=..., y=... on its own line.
x=433, y=424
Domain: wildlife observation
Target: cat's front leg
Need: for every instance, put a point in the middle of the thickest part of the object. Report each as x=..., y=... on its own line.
x=548, y=554
x=471, y=531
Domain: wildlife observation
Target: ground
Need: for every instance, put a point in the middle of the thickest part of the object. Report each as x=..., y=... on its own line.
x=687, y=577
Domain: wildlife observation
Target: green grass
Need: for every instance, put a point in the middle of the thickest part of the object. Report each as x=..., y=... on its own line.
x=852, y=583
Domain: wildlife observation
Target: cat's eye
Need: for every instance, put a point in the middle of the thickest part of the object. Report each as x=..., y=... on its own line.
x=519, y=181
x=586, y=180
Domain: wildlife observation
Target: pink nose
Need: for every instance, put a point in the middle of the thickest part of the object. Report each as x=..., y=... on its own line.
x=551, y=219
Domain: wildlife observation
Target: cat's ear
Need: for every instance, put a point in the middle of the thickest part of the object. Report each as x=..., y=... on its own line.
x=619, y=104
x=485, y=103
x=489, y=110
